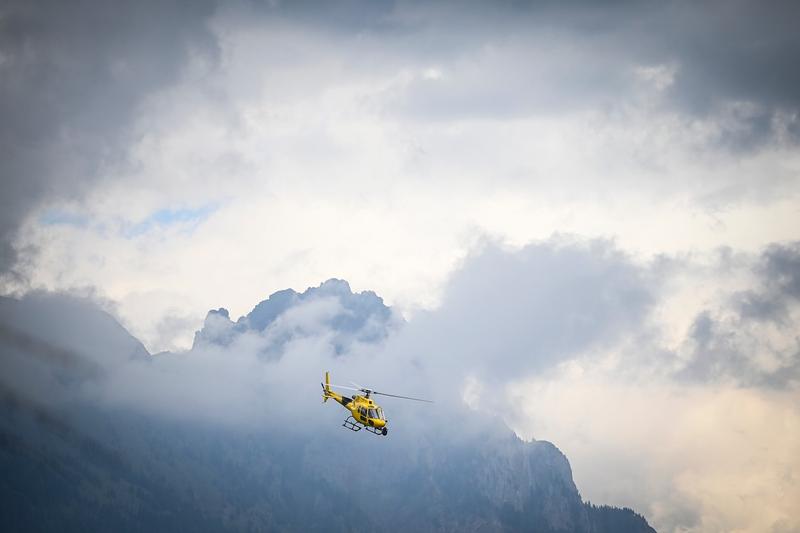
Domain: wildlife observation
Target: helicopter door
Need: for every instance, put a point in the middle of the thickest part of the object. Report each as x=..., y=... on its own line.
x=363, y=414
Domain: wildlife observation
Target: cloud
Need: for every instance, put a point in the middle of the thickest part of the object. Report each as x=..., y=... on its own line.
x=779, y=273
x=507, y=314
x=76, y=82
x=71, y=79
x=432, y=124
x=731, y=61
x=749, y=337
x=504, y=315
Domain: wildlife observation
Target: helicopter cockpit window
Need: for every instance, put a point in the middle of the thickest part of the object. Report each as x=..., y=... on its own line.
x=376, y=413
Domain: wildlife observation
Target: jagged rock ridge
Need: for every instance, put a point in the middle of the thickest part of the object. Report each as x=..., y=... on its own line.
x=355, y=317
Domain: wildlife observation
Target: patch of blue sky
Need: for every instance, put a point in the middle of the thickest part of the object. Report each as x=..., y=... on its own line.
x=57, y=217
x=164, y=218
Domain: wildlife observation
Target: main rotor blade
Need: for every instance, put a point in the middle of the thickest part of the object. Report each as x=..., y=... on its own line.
x=381, y=393
x=344, y=387
x=403, y=397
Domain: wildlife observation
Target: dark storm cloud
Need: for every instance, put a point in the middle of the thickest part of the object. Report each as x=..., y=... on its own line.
x=781, y=269
x=729, y=352
x=510, y=58
x=71, y=76
x=738, y=50
x=730, y=344
x=779, y=275
x=543, y=57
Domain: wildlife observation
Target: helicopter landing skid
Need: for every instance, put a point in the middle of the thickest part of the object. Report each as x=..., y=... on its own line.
x=376, y=431
x=351, y=424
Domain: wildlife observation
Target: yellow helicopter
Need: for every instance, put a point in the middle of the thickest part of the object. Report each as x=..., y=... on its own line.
x=364, y=412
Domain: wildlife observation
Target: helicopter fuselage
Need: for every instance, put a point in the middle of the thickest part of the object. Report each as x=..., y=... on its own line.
x=363, y=409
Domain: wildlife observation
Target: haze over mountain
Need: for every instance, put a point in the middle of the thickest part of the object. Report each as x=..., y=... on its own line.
x=360, y=317
x=80, y=454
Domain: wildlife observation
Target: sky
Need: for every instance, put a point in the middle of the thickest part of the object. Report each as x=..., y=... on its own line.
x=586, y=212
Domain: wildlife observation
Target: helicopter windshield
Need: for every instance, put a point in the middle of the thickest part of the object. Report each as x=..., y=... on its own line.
x=376, y=413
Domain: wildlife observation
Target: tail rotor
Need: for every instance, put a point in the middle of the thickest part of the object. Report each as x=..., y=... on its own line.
x=326, y=388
